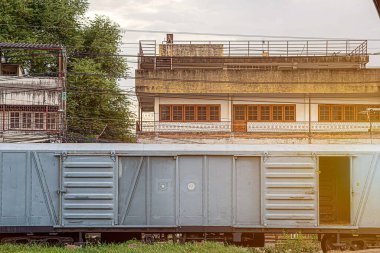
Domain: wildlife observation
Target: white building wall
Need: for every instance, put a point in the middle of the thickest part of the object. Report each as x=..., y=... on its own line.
x=9, y=97
x=29, y=91
x=314, y=111
x=302, y=126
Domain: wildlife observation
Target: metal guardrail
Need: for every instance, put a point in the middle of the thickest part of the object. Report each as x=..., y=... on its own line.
x=147, y=48
x=32, y=121
x=269, y=48
x=280, y=127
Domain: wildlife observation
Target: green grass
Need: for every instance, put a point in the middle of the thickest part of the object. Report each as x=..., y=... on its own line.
x=132, y=247
x=137, y=247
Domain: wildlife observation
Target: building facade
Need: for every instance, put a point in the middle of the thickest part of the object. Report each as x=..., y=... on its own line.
x=32, y=107
x=257, y=92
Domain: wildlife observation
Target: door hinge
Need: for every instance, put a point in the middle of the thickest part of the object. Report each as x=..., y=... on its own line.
x=266, y=156
x=113, y=155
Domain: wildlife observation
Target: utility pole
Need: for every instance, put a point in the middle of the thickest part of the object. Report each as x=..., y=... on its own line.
x=309, y=126
x=369, y=112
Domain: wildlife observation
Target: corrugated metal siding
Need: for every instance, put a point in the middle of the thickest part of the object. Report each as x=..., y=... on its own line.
x=290, y=191
x=88, y=188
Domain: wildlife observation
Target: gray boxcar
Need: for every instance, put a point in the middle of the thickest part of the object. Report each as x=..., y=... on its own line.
x=191, y=192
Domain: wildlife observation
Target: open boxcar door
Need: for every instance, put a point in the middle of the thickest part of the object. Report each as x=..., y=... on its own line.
x=289, y=191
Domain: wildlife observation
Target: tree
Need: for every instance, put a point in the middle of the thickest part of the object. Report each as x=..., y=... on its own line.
x=96, y=107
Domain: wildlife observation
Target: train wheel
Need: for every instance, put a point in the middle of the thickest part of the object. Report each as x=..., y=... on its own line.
x=358, y=245
x=327, y=243
x=49, y=240
x=149, y=239
x=16, y=240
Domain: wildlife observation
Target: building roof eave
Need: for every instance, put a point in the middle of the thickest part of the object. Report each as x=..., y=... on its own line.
x=9, y=45
x=377, y=5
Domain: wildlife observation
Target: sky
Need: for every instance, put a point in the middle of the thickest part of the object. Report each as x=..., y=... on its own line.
x=355, y=19
x=316, y=18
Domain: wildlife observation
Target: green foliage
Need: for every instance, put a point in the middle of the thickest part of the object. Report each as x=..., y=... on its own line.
x=42, y=21
x=131, y=247
x=96, y=107
x=290, y=245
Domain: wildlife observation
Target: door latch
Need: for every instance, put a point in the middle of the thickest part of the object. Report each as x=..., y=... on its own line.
x=60, y=191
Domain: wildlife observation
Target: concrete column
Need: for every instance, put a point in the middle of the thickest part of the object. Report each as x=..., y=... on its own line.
x=156, y=109
x=230, y=104
x=229, y=108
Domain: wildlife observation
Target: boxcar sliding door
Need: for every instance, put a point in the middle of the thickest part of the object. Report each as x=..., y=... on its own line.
x=87, y=190
x=289, y=191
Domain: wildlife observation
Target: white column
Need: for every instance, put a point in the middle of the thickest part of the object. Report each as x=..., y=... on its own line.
x=156, y=109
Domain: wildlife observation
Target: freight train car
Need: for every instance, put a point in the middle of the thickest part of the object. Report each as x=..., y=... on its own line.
x=232, y=193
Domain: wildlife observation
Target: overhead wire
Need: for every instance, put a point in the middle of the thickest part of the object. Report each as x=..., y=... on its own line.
x=213, y=34
x=77, y=54
x=182, y=80
x=208, y=96
x=126, y=30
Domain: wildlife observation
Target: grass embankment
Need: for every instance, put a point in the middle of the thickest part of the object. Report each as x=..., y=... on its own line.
x=131, y=247
x=137, y=247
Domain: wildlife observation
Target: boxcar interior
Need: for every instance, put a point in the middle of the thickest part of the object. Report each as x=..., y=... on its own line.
x=334, y=190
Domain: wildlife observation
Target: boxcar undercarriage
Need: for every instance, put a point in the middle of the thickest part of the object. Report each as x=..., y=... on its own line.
x=329, y=239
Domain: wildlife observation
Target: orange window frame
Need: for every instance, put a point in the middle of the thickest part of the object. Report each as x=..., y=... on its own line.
x=173, y=114
x=239, y=113
x=257, y=115
x=271, y=112
x=170, y=113
x=333, y=110
x=282, y=113
x=196, y=110
x=357, y=108
x=261, y=113
x=345, y=109
x=294, y=116
x=209, y=113
x=319, y=113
